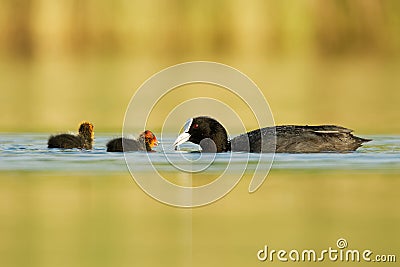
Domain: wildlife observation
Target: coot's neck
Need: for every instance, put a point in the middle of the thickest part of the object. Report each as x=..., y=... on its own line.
x=88, y=138
x=148, y=147
x=220, y=139
x=143, y=144
x=228, y=145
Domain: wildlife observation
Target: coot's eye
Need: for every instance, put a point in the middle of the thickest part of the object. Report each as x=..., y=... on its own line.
x=195, y=126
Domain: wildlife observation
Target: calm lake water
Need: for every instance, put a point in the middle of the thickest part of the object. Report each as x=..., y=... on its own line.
x=55, y=213
x=29, y=152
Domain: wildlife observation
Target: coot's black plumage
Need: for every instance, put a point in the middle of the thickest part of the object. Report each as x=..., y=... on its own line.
x=212, y=137
x=83, y=140
x=146, y=141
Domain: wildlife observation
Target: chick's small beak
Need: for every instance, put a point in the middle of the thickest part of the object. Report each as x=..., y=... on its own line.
x=182, y=138
x=155, y=141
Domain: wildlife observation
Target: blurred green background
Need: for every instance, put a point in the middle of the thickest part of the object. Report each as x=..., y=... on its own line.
x=61, y=62
x=332, y=61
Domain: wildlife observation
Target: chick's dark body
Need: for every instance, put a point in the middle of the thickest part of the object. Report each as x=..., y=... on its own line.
x=66, y=141
x=119, y=144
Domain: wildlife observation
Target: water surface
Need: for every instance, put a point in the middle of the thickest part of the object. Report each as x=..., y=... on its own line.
x=29, y=152
x=55, y=214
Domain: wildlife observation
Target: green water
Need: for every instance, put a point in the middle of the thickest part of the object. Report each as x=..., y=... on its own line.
x=82, y=208
x=59, y=219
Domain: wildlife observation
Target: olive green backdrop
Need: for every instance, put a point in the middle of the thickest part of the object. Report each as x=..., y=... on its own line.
x=62, y=62
x=316, y=61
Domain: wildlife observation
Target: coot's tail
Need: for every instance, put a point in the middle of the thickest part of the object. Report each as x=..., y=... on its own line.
x=357, y=142
x=363, y=140
x=360, y=140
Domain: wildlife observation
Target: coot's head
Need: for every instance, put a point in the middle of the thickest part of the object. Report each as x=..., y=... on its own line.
x=150, y=139
x=203, y=130
x=86, y=130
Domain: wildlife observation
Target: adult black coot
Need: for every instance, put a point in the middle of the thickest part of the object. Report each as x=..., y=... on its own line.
x=212, y=137
x=146, y=141
x=83, y=140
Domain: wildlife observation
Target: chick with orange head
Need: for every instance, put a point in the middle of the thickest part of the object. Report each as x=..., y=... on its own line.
x=145, y=142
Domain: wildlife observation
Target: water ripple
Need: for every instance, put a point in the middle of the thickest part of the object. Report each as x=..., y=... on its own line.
x=29, y=152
